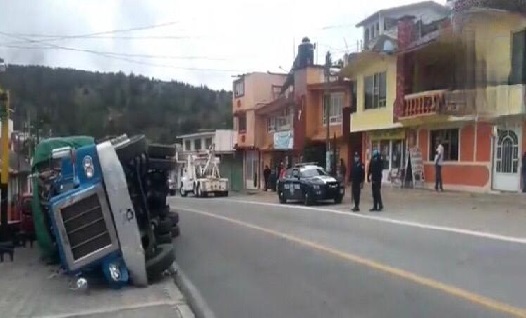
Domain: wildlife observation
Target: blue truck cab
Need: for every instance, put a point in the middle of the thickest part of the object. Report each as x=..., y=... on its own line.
x=92, y=216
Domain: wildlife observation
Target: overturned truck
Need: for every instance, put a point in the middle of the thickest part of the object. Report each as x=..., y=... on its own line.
x=101, y=207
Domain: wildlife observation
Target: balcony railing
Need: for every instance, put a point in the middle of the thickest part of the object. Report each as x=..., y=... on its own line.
x=423, y=103
x=439, y=102
x=491, y=101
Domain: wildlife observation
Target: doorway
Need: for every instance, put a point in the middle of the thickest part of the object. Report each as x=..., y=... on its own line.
x=251, y=169
x=506, y=160
x=392, y=152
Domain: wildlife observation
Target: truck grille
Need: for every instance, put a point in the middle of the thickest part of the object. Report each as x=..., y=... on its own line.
x=85, y=226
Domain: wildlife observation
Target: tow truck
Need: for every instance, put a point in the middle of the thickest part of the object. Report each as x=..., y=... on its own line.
x=201, y=175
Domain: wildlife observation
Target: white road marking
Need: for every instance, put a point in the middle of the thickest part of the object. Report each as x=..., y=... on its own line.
x=487, y=235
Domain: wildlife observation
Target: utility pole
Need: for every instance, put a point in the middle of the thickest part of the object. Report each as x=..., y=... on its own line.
x=327, y=103
x=4, y=176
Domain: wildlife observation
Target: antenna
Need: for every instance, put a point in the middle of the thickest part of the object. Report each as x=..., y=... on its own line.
x=293, y=48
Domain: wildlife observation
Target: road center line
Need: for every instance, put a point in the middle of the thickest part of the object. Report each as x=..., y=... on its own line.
x=487, y=235
x=427, y=282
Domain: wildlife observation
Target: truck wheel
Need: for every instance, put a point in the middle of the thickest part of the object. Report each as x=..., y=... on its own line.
x=163, y=226
x=197, y=191
x=172, y=192
x=174, y=215
x=133, y=148
x=161, y=259
x=164, y=239
x=161, y=164
x=176, y=231
x=161, y=151
x=182, y=192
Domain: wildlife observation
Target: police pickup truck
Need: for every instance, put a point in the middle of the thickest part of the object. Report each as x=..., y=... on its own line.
x=309, y=183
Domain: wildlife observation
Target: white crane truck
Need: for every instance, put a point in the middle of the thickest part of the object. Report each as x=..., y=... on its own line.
x=201, y=175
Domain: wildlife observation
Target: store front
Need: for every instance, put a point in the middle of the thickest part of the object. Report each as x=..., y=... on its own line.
x=391, y=144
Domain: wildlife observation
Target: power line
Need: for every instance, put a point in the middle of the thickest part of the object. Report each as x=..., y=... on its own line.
x=53, y=38
x=112, y=56
x=150, y=56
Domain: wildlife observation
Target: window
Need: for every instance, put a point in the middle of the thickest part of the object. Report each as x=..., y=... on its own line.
x=375, y=87
x=187, y=145
x=239, y=88
x=276, y=90
x=271, y=124
x=518, y=58
x=284, y=120
x=208, y=143
x=449, y=139
x=335, y=110
x=312, y=172
x=197, y=144
x=242, y=123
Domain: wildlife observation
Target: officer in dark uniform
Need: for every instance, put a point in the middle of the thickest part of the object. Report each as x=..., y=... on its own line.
x=374, y=175
x=357, y=179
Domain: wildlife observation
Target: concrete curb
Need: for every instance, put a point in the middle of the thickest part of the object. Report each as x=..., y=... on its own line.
x=192, y=294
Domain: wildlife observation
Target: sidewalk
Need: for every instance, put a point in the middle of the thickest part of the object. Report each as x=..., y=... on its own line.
x=29, y=289
x=503, y=214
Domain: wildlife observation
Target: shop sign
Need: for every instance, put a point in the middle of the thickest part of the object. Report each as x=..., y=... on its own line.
x=387, y=134
x=283, y=140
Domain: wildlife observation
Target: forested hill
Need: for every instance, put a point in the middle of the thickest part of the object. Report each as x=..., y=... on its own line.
x=70, y=102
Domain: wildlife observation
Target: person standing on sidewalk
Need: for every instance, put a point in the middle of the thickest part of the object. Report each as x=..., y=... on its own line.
x=357, y=179
x=266, y=176
x=374, y=175
x=439, y=160
x=523, y=172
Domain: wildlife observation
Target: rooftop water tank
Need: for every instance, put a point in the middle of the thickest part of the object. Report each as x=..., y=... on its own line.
x=305, y=53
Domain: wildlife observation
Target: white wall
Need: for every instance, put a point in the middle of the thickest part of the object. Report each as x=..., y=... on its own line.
x=225, y=140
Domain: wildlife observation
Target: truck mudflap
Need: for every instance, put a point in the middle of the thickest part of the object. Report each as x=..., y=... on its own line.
x=123, y=214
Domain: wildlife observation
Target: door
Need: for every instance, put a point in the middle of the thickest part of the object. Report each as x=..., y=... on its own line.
x=506, y=176
x=251, y=170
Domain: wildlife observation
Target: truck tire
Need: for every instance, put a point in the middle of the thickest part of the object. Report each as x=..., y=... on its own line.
x=161, y=259
x=161, y=151
x=133, y=148
x=161, y=164
x=163, y=226
x=174, y=215
x=165, y=238
x=182, y=192
x=176, y=231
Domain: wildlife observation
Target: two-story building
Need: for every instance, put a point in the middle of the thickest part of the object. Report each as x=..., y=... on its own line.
x=252, y=91
x=458, y=79
x=231, y=164
x=377, y=75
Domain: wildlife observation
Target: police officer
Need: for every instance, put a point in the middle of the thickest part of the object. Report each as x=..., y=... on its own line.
x=357, y=179
x=374, y=175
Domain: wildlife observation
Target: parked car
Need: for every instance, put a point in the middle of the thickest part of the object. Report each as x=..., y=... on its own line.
x=309, y=183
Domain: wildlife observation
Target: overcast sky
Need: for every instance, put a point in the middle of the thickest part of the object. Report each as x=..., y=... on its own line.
x=202, y=42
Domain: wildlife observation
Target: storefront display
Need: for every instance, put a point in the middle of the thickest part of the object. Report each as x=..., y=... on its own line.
x=390, y=143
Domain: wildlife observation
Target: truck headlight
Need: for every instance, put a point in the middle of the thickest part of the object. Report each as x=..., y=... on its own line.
x=87, y=163
x=115, y=272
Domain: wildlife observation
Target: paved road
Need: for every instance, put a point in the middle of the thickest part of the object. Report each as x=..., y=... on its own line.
x=266, y=260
